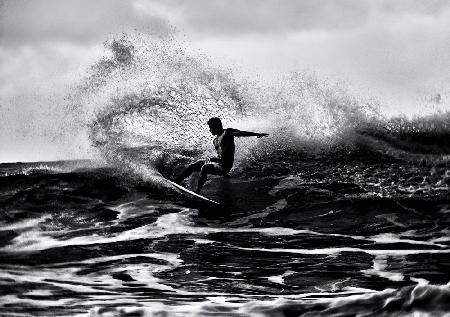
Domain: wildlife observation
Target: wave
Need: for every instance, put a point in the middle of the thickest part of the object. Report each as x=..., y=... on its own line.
x=427, y=300
x=419, y=300
x=424, y=139
x=42, y=168
x=149, y=101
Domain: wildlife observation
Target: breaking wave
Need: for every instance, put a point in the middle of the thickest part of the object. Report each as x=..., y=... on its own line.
x=148, y=101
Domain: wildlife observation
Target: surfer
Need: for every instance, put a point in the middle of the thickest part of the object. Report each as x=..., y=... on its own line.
x=224, y=145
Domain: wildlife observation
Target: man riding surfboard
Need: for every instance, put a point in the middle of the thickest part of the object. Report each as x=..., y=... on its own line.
x=224, y=145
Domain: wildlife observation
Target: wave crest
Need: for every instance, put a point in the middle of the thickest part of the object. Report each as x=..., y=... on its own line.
x=149, y=102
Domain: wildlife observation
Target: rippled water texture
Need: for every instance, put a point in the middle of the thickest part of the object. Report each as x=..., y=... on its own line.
x=328, y=239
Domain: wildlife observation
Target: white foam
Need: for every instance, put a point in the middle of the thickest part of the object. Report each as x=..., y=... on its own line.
x=392, y=218
x=167, y=224
x=13, y=300
x=203, y=241
x=62, y=277
x=332, y=251
x=378, y=269
x=24, y=224
x=389, y=238
x=243, y=305
x=181, y=223
x=35, y=240
x=98, y=281
x=140, y=207
x=277, y=206
x=280, y=278
x=39, y=292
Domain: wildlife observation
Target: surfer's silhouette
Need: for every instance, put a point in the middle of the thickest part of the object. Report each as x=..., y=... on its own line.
x=224, y=144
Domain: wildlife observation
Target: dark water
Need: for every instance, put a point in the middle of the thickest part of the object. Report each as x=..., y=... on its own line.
x=341, y=211
x=309, y=237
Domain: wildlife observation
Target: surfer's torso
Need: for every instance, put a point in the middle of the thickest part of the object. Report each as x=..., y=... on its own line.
x=225, y=148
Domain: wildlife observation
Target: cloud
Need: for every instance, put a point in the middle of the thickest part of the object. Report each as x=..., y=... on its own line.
x=238, y=18
x=27, y=21
x=418, y=7
x=85, y=20
x=397, y=52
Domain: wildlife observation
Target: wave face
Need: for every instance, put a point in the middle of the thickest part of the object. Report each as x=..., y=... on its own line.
x=149, y=102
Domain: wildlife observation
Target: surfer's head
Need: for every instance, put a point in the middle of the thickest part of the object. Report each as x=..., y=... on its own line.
x=215, y=126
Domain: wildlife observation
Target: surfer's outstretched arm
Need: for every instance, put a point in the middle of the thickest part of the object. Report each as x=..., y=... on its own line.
x=239, y=133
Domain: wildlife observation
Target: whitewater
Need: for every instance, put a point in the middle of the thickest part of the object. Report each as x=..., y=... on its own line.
x=341, y=211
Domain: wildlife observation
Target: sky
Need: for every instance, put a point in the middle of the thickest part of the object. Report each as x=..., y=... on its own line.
x=397, y=51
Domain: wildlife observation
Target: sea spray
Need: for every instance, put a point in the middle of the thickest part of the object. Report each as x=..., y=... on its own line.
x=148, y=99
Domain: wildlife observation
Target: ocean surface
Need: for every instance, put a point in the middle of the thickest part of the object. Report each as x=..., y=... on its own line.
x=323, y=236
x=340, y=211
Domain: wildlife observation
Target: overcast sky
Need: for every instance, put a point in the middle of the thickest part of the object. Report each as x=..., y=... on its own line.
x=396, y=50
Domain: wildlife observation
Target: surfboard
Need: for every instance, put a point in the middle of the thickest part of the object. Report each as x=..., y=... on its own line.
x=190, y=194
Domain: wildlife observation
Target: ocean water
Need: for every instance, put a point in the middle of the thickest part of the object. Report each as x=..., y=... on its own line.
x=341, y=211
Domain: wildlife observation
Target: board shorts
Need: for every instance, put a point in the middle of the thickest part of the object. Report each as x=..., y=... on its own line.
x=215, y=167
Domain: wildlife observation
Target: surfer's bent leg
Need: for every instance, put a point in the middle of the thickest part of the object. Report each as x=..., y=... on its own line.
x=194, y=167
x=208, y=168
